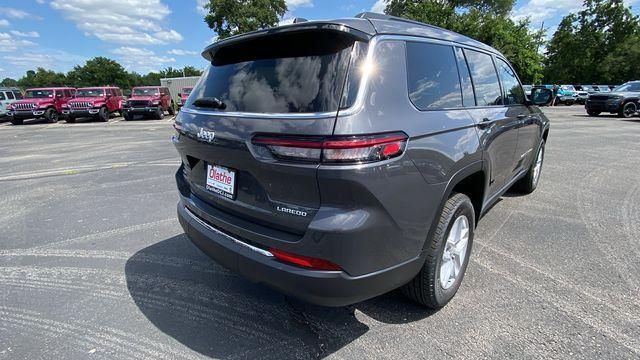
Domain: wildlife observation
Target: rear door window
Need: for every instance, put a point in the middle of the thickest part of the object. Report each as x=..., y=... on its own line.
x=512, y=90
x=10, y=95
x=485, y=79
x=287, y=73
x=432, y=76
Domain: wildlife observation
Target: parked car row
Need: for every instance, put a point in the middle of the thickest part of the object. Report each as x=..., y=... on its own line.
x=54, y=103
x=571, y=94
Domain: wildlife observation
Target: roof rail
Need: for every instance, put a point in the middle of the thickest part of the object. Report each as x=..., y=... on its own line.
x=379, y=16
x=299, y=20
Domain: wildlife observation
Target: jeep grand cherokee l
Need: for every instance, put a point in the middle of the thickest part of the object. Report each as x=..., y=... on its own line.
x=338, y=160
x=94, y=102
x=624, y=101
x=148, y=101
x=40, y=103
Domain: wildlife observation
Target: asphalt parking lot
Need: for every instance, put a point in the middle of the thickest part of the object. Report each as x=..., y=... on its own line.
x=93, y=262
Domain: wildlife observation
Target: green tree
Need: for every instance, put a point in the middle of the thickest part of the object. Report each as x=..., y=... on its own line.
x=484, y=20
x=231, y=17
x=599, y=44
x=9, y=82
x=42, y=77
x=99, y=71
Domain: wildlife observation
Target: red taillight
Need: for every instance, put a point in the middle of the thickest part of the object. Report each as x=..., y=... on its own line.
x=335, y=149
x=304, y=261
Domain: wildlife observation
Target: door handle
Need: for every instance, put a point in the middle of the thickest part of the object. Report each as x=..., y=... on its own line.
x=484, y=123
x=522, y=116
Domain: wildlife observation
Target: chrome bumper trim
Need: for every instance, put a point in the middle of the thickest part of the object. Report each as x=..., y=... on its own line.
x=250, y=247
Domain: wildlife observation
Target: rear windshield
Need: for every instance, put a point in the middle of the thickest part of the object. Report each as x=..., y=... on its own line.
x=292, y=73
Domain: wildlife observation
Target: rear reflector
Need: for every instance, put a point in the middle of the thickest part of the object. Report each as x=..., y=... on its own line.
x=335, y=149
x=304, y=261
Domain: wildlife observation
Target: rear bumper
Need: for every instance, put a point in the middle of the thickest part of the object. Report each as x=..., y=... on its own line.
x=327, y=288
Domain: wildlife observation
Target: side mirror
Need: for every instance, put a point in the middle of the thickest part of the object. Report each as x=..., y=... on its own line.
x=179, y=94
x=541, y=96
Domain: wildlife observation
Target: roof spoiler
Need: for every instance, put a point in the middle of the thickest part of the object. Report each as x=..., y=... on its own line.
x=300, y=26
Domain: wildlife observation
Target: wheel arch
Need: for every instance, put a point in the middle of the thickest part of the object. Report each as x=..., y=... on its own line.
x=470, y=180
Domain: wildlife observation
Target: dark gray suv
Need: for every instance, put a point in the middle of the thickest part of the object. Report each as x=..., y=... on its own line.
x=338, y=160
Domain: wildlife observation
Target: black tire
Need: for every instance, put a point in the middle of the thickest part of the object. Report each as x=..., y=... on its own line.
x=628, y=110
x=103, y=114
x=17, y=121
x=426, y=288
x=529, y=182
x=593, y=112
x=171, y=109
x=159, y=113
x=70, y=119
x=51, y=115
x=126, y=116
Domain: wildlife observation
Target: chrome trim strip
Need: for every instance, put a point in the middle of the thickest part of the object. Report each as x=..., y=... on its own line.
x=250, y=247
x=526, y=153
x=259, y=115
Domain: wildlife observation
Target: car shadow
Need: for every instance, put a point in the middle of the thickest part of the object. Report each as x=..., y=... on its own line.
x=219, y=314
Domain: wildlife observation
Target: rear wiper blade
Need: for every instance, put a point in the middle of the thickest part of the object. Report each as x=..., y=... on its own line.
x=210, y=102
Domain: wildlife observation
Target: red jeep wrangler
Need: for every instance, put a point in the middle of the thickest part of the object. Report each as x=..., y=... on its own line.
x=96, y=102
x=148, y=100
x=183, y=95
x=40, y=103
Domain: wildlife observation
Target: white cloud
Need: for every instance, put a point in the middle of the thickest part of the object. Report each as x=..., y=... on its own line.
x=120, y=21
x=4, y=23
x=379, y=6
x=545, y=10
x=292, y=4
x=13, y=13
x=181, y=52
x=40, y=2
x=141, y=60
x=31, y=34
x=11, y=44
x=50, y=59
x=200, y=6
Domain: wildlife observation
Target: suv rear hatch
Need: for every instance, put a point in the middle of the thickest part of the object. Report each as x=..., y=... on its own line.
x=283, y=83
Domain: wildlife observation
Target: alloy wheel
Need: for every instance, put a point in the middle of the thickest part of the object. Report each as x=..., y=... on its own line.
x=455, y=252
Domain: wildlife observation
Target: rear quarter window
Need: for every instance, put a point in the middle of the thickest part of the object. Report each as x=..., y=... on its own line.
x=432, y=76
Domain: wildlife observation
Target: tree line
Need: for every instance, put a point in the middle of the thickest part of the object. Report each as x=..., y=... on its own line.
x=599, y=44
x=99, y=71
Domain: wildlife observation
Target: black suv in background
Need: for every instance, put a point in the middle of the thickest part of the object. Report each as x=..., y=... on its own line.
x=338, y=160
x=624, y=100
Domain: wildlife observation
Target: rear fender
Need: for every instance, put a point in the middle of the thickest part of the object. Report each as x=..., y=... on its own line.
x=468, y=170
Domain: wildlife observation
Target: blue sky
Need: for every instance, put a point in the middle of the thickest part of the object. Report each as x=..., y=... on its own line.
x=147, y=35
